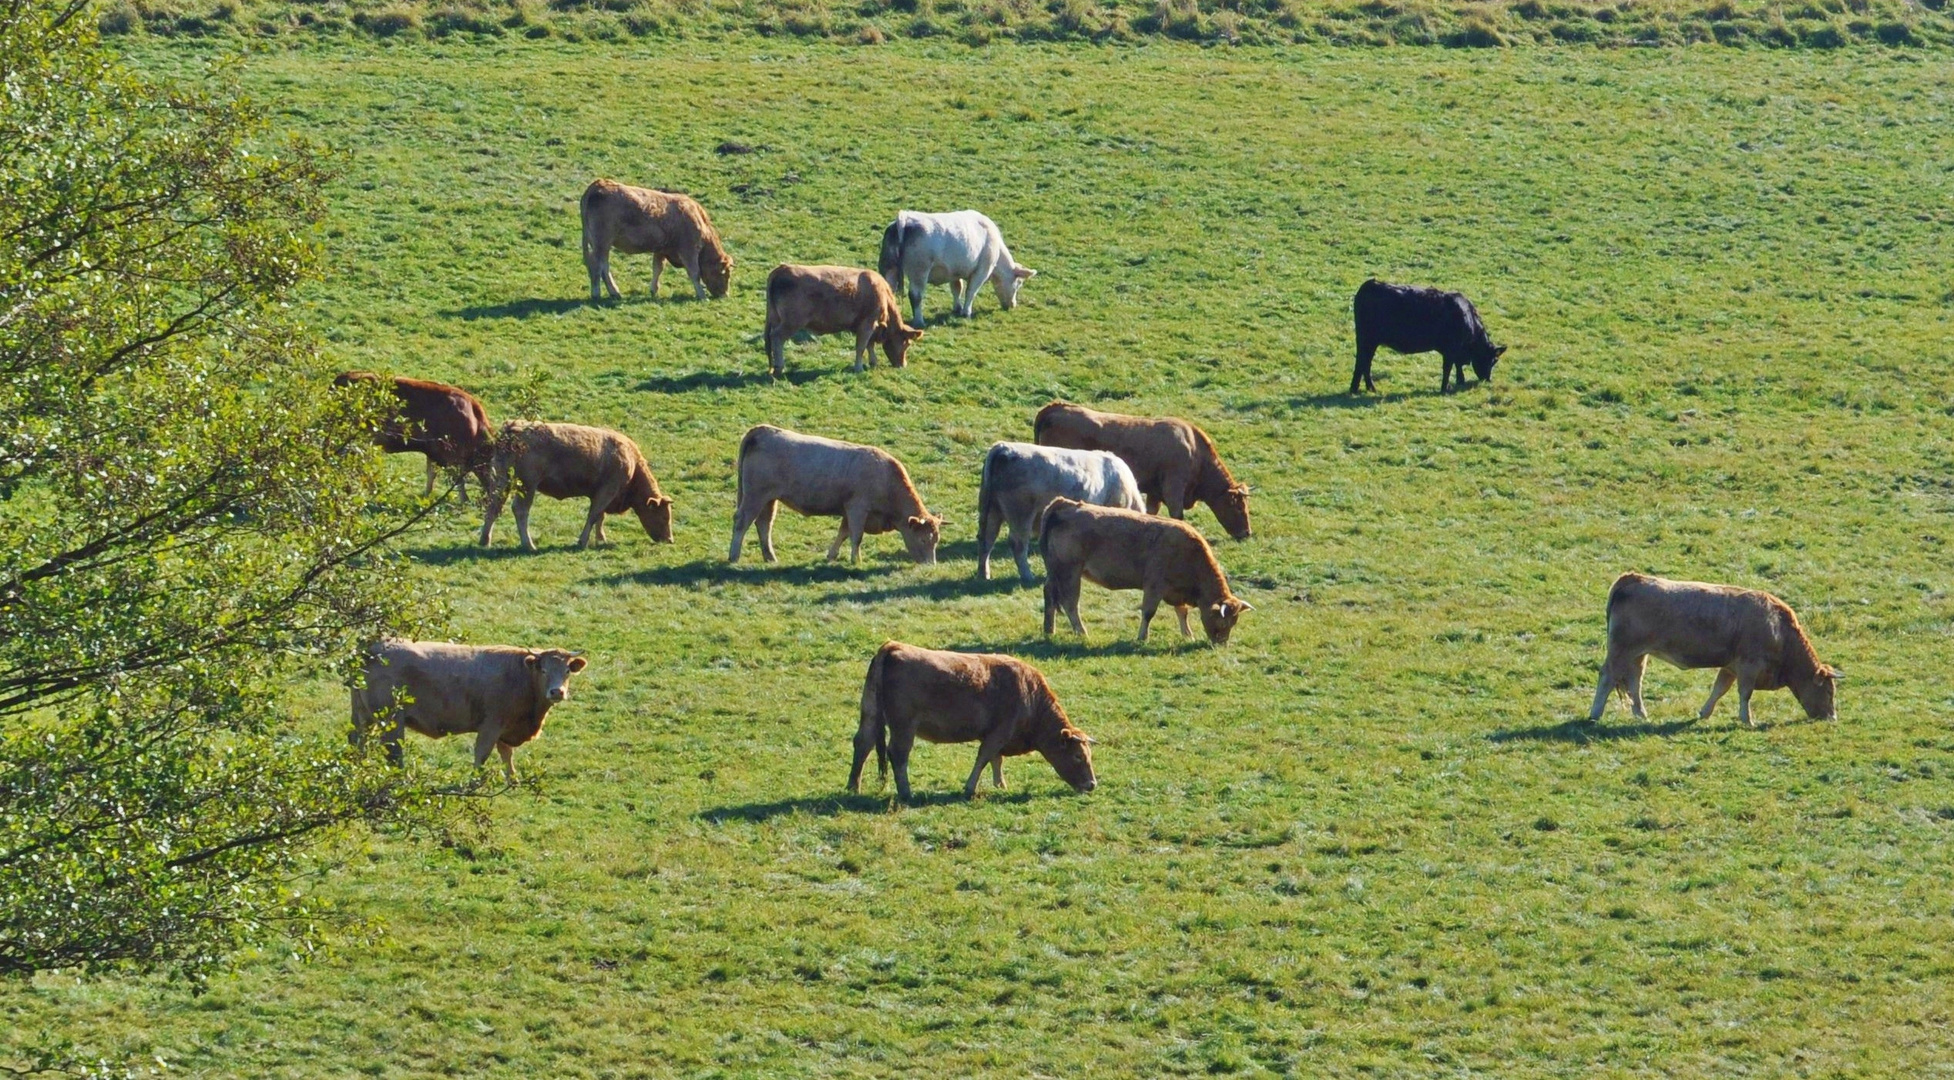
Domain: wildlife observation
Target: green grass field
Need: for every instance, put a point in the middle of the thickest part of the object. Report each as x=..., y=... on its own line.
x=1370, y=836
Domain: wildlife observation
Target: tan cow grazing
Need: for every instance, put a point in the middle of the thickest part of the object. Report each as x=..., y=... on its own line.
x=834, y=300
x=1751, y=636
x=569, y=461
x=1120, y=549
x=998, y=702
x=446, y=423
x=1174, y=461
x=669, y=226
x=863, y=485
x=500, y=693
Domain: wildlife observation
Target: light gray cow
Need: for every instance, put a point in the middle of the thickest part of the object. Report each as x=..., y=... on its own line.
x=1021, y=479
x=963, y=249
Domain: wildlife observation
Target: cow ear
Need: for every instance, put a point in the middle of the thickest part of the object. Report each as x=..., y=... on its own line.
x=576, y=664
x=529, y=659
x=911, y=333
x=1499, y=352
x=660, y=500
x=1240, y=604
x=1837, y=675
x=1023, y=272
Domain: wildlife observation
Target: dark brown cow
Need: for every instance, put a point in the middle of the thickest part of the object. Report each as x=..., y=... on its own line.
x=666, y=225
x=1752, y=637
x=999, y=702
x=1165, y=559
x=1174, y=461
x=446, y=423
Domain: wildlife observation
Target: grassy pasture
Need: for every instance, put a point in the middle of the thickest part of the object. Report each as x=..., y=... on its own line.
x=1371, y=836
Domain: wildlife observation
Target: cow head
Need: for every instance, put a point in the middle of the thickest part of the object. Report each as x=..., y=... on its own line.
x=1820, y=695
x=655, y=514
x=1218, y=618
x=895, y=338
x=550, y=671
x=1484, y=357
x=1008, y=282
x=920, y=532
x=1232, y=511
x=1070, y=752
x=716, y=270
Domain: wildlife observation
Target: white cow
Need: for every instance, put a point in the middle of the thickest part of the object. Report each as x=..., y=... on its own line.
x=963, y=248
x=1021, y=479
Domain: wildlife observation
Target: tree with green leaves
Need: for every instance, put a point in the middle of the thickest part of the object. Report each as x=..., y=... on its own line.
x=190, y=516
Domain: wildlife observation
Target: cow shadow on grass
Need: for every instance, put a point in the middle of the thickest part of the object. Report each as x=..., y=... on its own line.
x=726, y=380
x=1065, y=643
x=1345, y=400
x=1585, y=731
x=471, y=552
x=754, y=572
x=528, y=307
x=949, y=588
x=843, y=803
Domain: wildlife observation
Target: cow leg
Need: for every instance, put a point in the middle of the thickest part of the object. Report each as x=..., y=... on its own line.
x=776, y=349
x=1062, y=593
x=593, y=265
x=864, y=746
x=1631, y=680
x=692, y=271
x=601, y=538
x=431, y=469
x=657, y=271
x=493, y=495
x=362, y=719
x=485, y=741
x=610, y=282
x=392, y=740
x=1445, y=375
x=997, y=771
x=1149, y=603
x=1361, y=373
x=1180, y=612
x=990, y=751
x=1746, y=682
x=740, y=522
x=841, y=533
x=1601, y=689
x=988, y=523
x=900, y=742
x=1021, y=551
x=593, y=522
x=864, y=345
x=508, y=760
x=1153, y=504
x=1725, y=678
x=764, y=522
x=856, y=522
x=523, y=501
x=916, y=288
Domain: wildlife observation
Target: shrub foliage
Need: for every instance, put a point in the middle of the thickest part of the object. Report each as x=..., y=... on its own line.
x=187, y=510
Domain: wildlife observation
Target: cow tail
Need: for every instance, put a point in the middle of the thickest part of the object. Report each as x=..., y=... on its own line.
x=872, y=719
x=583, y=215
x=984, y=490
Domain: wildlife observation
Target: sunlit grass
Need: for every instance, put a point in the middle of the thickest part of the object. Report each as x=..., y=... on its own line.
x=1371, y=834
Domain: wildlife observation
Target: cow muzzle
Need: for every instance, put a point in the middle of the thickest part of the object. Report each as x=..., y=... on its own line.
x=559, y=693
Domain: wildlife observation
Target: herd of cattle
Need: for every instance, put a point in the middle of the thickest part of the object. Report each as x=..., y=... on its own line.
x=1088, y=488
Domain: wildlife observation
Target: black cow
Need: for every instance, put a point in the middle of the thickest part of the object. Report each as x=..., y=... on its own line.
x=1414, y=320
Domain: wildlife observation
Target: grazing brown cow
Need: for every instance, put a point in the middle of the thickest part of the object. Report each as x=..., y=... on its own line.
x=569, y=461
x=1119, y=549
x=666, y=224
x=864, y=486
x=1174, y=461
x=446, y=423
x=500, y=693
x=834, y=300
x=1001, y=703
x=1752, y=636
